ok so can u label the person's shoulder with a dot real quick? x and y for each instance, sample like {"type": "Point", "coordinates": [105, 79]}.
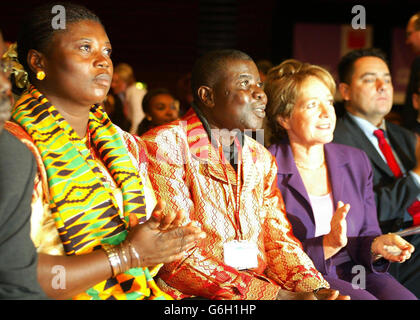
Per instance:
{"type": "Point", "coordinates": [351, 155]}
{"type": "Point", "coordinates": [174, 128]}
{"type": "Point", "coordinates": [258, 149]}
{"type": "Point", "coordinates": [14, 151]}
{"type": "Point", "coordinates": [397, 128]}
{"type": "Point", "coordinates": [405, 137]}
{"type": "Point", "coordinates": [346, 150]}
{"type": "Point", "coordinates": [278, 147]}
{"type": "Point", "coordinates": [342, 123]}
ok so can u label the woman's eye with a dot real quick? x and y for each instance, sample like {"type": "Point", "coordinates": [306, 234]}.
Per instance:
{"type": "Point", "coordinates": [108, 51]}
{"type": "Point", "coordinates": [85, 48]}
{"type": "Point", "coordinates": [312, 104]}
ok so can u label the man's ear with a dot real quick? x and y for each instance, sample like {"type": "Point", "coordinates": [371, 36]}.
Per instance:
{"type": "Point", "coordinates": [344, 89]}
{"type": "Point", "coordinates": [205, 94]}
{"type": "Point", "coordinates": [35, 61]}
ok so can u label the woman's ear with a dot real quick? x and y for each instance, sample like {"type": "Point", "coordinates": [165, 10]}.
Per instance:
{"type": "Point", "coordinates": [344, 89]}
{"type": "Point", "coordinates": [284, 123]}
{"type": "Point", "coordinates": [35, 61]}
{"type": "Point", "coordinates": [205, 94]}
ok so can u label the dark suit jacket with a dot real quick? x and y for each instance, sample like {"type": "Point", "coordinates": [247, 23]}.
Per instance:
{"type": "Point", "coordinates": [18, 257]}
{"type": "Point", "coordinates": [393, 196]}
{"type": "Point", "coordinates": [350, 175]}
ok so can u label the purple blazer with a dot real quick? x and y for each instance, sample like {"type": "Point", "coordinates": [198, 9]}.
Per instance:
{"type": "Point", "coordinates": [350, 175]}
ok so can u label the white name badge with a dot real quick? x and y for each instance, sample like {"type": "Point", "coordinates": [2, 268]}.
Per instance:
{"type": "Point", "coordinates": [240, 254]}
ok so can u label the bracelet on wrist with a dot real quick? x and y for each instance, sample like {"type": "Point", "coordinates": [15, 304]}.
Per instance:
{"type": "Point", "coordinates": [317, 290]}
{"type": "Point", "coordinates": [113, 258]}
{"type": "Point", "coordinates": [135, 253]}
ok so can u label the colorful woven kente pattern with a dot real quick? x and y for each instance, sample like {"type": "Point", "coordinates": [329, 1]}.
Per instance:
{"type": "Point", "coordinates": [188, 172]}
{"type": "Point", "coordinates": [85, 211]}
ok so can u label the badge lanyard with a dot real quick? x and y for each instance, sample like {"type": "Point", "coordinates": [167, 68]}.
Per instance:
{"type": "Point", "coordinates": [235, 200]}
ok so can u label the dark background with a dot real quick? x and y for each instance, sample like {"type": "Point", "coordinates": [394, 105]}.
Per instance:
{"type": "Point", "coordinates": [161, 39]}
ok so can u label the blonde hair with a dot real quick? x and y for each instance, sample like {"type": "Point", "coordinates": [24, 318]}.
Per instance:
{"type": "Point", "coordinates": [282, 87]}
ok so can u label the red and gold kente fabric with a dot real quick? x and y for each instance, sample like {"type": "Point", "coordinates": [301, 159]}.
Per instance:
{"type": "Point", "coordinates": [187, 172]}
{"type": "Point", "coordinates": [85, 211]}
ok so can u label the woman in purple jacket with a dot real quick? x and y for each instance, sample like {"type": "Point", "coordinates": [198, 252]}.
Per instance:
{"type": "Point", "coordinates": [327, 188]}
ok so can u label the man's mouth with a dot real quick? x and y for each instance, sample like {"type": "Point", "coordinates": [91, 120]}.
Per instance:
{"type": "Point", "coordinates": [260, 111]}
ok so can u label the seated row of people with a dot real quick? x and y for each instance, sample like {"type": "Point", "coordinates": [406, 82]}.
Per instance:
{"type": "Point", "coordinates": [195, 205]}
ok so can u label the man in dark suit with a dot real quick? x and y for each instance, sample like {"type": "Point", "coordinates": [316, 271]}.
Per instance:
{"type": "Point", "coordinates": [18, 257]}
{"type": "Point", "coordinates": [366, 87]}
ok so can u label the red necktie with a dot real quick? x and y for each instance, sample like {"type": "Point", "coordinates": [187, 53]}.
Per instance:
{"type": "Point", "coordinates": [387, 152]}
{"type": "Point", "coordinates": [414, 209]}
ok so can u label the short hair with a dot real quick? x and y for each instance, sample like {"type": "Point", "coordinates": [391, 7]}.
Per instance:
{"type": "Point", "coordinates": [149, 96]}
{"type": "Point", "coordinates": [416, 21]}
{"type": "Point", "coordinates": [36, 30]}
{"type": "Point", "coordinates": [282, 87]}
{"type": "Point", "coordinates": [346, 64]}
{"type": "Point", "coordinates": [264, 65]}
{"type": "Point", "coordinates": [209, 66]}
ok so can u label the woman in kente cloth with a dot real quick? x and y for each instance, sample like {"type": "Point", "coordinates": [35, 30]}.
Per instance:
{"type": "Point", "coordinates": [93, 211]}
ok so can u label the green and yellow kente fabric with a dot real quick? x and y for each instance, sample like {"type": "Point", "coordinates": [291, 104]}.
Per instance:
{"type": "Point", "coordinates": [83, 207]}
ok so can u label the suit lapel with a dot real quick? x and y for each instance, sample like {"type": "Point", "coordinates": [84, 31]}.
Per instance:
{"type": "Point", "coordinates": [287, 168]}
{"type": "Point", "coordinates": [335, 160]}
{"type": "Point", "coordinates": [363, 143]}
{"type": "Point", "coordinates": [396, 140]}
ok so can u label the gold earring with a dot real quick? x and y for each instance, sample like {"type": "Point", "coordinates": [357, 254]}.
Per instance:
{"type": "Point", "coordinates": [40, 75]}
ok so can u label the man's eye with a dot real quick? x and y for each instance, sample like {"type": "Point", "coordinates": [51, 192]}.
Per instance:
{"type": "Point", "coordinates": [85, 47]}
{"type": "Point", "coordinates": [244, 83]}
{"type": "Point", "coordinates": [369, 80]}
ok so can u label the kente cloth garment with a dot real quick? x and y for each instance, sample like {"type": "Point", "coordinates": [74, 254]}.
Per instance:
{"type": "Point", "coordinates": [187, 171]}
{"type": "Point", "coordinates": [82, 204]}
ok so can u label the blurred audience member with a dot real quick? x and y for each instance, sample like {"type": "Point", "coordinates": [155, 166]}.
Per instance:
{"type": "Point", "coordinates": [125, 86]}
{"type": "Point", "coordinates": [159, 107]}
{"type": "Point", "coordinates": [114, 105]}
{"type": "Point", "coordinates": [413, 40]}
{"type": "Point", "coordinates": [184, 93]}
{"type": "Point", "coordinates": [415, 100]}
